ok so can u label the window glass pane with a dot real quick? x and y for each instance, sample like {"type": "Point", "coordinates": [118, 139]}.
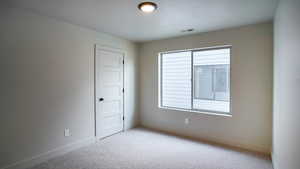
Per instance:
{"type": "Point", "coordinates": [211, 80]}
{"type": "Point", "coordinates": [221, 83]}
{"type": "Point", "coordinates": [203, 82]}
{"type": "Point", "coordinates": [176, 80]}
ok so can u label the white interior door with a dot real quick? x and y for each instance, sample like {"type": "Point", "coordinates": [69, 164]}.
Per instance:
{"type": "Point", "coordinates": [109, 91]}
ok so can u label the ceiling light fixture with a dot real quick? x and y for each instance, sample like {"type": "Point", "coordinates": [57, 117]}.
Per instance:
{"type": "Point", "coordinates": [147, 7]}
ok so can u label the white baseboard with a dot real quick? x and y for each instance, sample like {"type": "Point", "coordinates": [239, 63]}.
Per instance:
{"type": "Point", "coordinates": [32, 161]}
{"type": "Point", "coordinates": [214, 140]}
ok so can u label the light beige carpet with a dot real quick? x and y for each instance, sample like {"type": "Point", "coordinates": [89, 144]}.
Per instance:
{"type": "Point", "coordinates": [145, 149]}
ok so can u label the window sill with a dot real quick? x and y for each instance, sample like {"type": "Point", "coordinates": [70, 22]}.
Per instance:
{"type": "Point", "coordinates": [206, 112]}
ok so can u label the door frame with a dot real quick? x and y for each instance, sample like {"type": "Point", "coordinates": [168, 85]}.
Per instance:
{"type": "Point", "coordinates": [112, 49]}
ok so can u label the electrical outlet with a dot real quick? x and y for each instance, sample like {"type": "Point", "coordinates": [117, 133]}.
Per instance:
{"type": "Point", "coordinates": [67, 132]}
{"type": "Point", "coordinates": [186, 121]}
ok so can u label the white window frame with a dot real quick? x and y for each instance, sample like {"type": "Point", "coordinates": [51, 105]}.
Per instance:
{"type": "Point", "coordinates": [203, 111]}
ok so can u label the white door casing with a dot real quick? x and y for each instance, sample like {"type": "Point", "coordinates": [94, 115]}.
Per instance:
{"type": "Point", "coordinates": [109, 91]}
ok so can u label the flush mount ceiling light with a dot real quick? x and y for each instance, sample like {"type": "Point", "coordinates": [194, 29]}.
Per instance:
{"type": "Point", "coordinates": [147, 7]}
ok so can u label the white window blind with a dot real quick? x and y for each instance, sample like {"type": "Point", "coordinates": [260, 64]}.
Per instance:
{"type": "Point", "coordinates": [196, 80]}
{"type": "Point", "coordinates": [176, 80]}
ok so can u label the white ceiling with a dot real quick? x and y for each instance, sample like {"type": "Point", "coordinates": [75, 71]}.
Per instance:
{"type": "Point", "coordinates": [122, 18]}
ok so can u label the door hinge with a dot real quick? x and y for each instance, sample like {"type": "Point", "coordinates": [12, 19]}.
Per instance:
{"type": "Point", "coordinates": [123, 118]}
{"type": "Point", "coordinates": [123, 62]}
{"type": "Point", "coordinates": [123, 90]}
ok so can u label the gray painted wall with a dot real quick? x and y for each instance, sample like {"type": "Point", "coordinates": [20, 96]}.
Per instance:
{"type": "Point", "coordinates": [250, 125]}
{"type": "Point", "coordinates": [286, 115]}
{"type": "Point", "coordinates": [47, 83]}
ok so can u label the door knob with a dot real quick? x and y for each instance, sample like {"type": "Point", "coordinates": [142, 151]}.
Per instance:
{"type": "Point", "coordinates": [101, 99]}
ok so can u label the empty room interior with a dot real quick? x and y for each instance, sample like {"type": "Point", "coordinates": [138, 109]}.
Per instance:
{"type": "Point", "coordinates": [159, 84]}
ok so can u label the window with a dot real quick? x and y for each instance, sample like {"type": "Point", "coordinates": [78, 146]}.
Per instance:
{"type": "Point", "coordinates": [196, 80]}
